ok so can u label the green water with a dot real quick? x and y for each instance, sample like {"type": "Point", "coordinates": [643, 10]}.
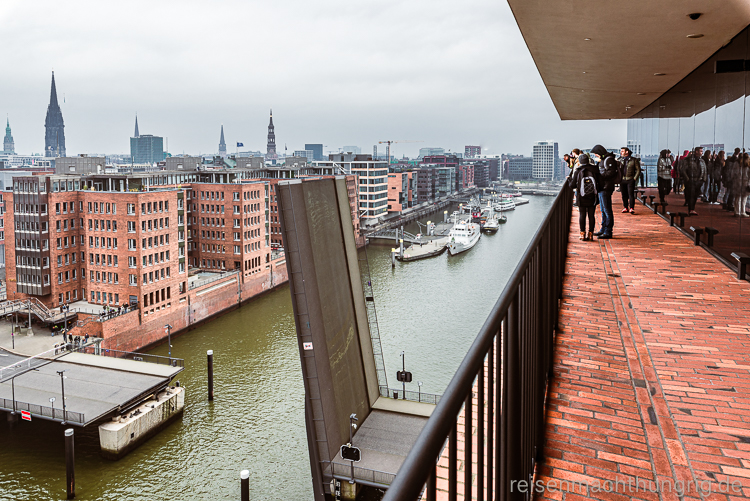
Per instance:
{"type": "Point", "coordinates": [431, 309]}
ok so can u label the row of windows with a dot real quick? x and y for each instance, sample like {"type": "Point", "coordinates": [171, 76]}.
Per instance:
{"type": "Point", "coordinates": [99, 242]}
{"type": "Point", "coordinates": [213, 248]}
{"type": "Point", "coordinates": [156, 241]}
{"type": "Point", "coordinates": [108, 297]}
{"type": "Point", "coordinates": [154, 276]}
{"type": "Point", "coordinates": [102, 259]}
{"type": "Point", "coordinates": [155, 224]}
{"type": "Point", "coordinates": [210, 221]}
{"type": "Point", "coordinates": [150, 207]}
{"type": "Point", "coordinates": [106, 277]}
{"type": "Point", "coordinates": [215, 235]}
{"type": "Point", "coordinates": [155, 258]}
{"type": "Point", "coordinates": [157, 296]}
{"type": "Point", "coordinates": [102, 225]}
{"type": "Point", "coordinates": [212, 208]}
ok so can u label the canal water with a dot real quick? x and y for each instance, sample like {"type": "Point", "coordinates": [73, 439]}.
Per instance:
{"type": "Point", "coordinates": [430, 309]}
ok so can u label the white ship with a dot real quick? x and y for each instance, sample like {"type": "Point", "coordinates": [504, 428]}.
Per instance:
{"type": "Point", "coordinates": [505, 204]}
{"type": "Point", "coordinates": [463, 236]}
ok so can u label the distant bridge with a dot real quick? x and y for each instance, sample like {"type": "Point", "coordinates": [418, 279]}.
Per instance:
{"type": "Point", "coordinates": [394, 235]}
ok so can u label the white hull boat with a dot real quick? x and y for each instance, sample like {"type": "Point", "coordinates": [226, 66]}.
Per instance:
{"type": "Point", "coordinates": [463, 236]}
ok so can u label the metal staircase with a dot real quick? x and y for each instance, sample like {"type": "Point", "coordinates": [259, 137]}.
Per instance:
{"type": "Point", "coordinates": [372, 318]}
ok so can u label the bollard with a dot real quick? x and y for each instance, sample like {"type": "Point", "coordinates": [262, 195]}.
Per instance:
{"type": "Point", "coordinates": [210, 354]}
{"type": "Point", "coordinates": [245, 485]}
{"type": "Point", "coordinates": [393, 258]}
{"type": "Point", "coordinates": [70, 465]}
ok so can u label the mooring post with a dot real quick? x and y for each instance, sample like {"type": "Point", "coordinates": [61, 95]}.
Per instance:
{"type": "Point", "coordinates": [393, 258]}
{"type": "Point", "coordinates": [210, 354]}
{"type": "Point", "coordinates": [245, 485]}
{"type": "Point", "coordinates": [70, 464]}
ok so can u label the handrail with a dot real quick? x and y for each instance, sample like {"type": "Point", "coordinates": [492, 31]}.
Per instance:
{"type": "Point", "coordinates": [525, 316]}
{"type": "Point", "coordinates": [208, 280]}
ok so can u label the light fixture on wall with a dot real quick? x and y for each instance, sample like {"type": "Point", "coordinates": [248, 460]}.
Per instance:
{"type": "Point", "coordinates": [696, 35]}
{"type": "Point", "coordinates": [659, 74]}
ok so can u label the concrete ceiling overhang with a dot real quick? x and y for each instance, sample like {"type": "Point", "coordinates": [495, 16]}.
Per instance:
{"type": "Point", "coordinates": [638, 49]}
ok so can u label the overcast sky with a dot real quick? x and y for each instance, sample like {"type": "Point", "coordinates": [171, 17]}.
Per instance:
{"type": "Point", "coordinates": [335, 72]}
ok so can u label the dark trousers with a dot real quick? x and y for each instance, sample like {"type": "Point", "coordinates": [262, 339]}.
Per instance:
{"type": "Point", "coordinates": [665, 187]}
{"type": "Point", "coordinates": [605, 205]}
{"type": "Point", "coordinates": [627, 188]}
{"type": "Point", "coordinates": [583, 213]}
{"type": "Point", "coordinates": [692, 192]}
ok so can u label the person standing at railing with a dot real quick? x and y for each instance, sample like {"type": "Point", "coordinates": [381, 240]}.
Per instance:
{"type": "Point", "coordinates": [587, 183]}
{"type": "Point", "coordinates": [609, 171]}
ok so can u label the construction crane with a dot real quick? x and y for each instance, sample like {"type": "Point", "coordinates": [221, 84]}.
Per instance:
{"type": "Point", "coordinates": [389, 143]}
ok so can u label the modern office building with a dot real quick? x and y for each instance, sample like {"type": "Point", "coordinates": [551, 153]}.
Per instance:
{"type": "Point", "coordinates": [426, 152]}
{"type": "Point", "coordinates": [472, 151]}
{"type": "Point", "coordinates": [317, 150]}
{"type": "Point", "coordinates": [309, 154]}
{"type": "Point", "coordinates": [520, 168]}
{"type": "Point", "coordinates": [545, 160]}
{"type": "Point", "coordinates": [398, 191]}
{"type": "Point", "coordinates": [9, 146]}
{"type": "Point", "coordinates": [54, 127]}
{"type": "Point", "coordinates": [145, 148]}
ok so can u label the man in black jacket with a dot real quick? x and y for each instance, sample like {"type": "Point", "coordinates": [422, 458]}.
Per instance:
{"type": "Point", "coordinates": [609, 170]}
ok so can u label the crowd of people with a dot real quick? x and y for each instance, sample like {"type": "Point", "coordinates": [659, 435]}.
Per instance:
{"type": "Point", "coordinates": [697, 174]}
{"type": "Point", "coordinates": [708, 177]}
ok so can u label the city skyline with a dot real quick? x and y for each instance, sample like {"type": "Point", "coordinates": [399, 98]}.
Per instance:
{"type": "Point", "coordinates": [418, 85]}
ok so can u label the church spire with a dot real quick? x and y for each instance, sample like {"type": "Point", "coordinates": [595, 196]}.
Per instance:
{"type": "Point", "coordinates": [222, 144]}
{"type": "Point", "coordinates": [271, 145]}
{"type": "Point", "coordinates": [53, 92]}
{"type": "Point", "coordinates": [136, 134]}
{"type": "Point", "coordinates": [54, 137]}
{"type": "Point", "coordinates": [8, 145]}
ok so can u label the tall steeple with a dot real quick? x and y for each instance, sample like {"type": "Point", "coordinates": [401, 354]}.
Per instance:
{"type": "Point", "coordinates": [136, 134]}
{"type": "Point", "coordinates": [222, 144]}
{"type": "Point", "coordinates": [271, 146]}
{"type": "Point", "coordinates": [54, 137]}
{"type": "Point", "coordinates": [8, 145]}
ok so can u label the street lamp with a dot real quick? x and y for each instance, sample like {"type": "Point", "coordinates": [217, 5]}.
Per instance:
{"type": "Point", "coordinates": [52, 403]}
{"type": "Point", "coordinates": [419, 383]}
{"type": "Point", "coordinates": [62, 385]}
{"type": "Point", "coordinates": [169, 340]}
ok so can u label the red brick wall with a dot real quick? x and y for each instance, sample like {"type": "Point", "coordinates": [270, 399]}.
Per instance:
{"type": "Point", "coordinates": [130, 332]}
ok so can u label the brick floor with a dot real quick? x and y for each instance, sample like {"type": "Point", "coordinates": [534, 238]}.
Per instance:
{"type": "Point", "coordinates": [652, 370]}
{"type": "Point", "coordinates": [651, 387]}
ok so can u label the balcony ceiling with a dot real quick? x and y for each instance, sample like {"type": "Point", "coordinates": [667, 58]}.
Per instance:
{"type": "Point", "coordinates": [612, 75]}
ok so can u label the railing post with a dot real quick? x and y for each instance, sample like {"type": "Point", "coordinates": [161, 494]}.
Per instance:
{"type": "Point", "coordinates": [468, 445]}
{"type": "Point", "coordinates": [453, 463]}
{"type": "Point", "coordinates": [480, 434]}
{"type": "Point", "coordinates": [490, 418]}
{"type": "Point", "coordinates": [512, 448]}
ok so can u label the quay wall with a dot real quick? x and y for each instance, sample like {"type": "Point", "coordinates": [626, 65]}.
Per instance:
{"type": "Point", "coordinates": [134, 331]}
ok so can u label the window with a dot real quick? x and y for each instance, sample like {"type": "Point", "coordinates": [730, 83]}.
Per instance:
{"type": "Point", "coordinates": [132, 262]}
{"type": "Point", "coordinates": [131, 244]}
{"type": "Point", "coordinates": [133, 280]}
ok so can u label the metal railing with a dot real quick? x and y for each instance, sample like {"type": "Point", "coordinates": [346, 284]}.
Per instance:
{"type": "Point", "coordinates": [373, 477]}
{"type": "Point", "coordinates": [27, 363]}
{"type": "Point", "coordinates": [208, 280]}
{"type": "Point", "coordinates": [412, 396]}
{"type": "Point", "coordinates": [129, 355]}
{"type": "Point", "coordinates": [42, 411]}
{"type": "Point", "coordinates": [514, 348]}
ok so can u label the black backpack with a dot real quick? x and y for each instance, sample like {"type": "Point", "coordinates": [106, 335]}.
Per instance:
{"type": "Point", "coordinates": [609, 168]}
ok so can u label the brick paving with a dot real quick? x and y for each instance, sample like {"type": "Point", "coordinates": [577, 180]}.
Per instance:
{"type": "Point", "coordinates": [651, 387]}
{"type": "Point", "coordinates": [652, 370]}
